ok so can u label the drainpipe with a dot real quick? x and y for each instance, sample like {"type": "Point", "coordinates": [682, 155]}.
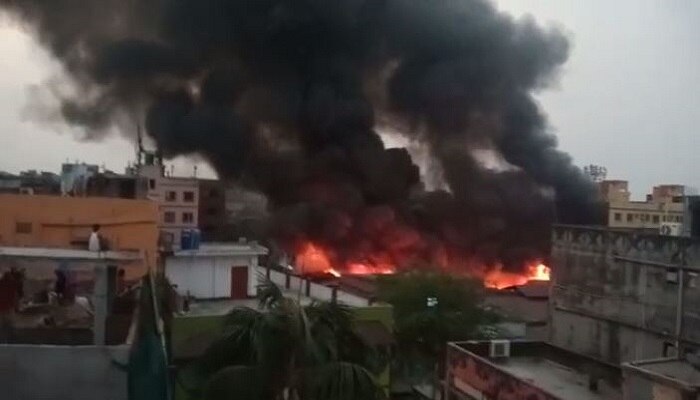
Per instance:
{"type": "Point", "coordinates": [679, 311]}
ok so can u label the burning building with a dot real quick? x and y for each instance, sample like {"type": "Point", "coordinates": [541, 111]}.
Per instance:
{"type": "Point", "coordinates": [299, 100]}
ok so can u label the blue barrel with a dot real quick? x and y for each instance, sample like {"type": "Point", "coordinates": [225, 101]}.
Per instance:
{"type": "Point", "coordinates": [196, 237]}
{"type": "Point", "coordinates": [186, 239]}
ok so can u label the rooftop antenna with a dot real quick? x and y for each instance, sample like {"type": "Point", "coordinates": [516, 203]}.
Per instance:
{"type": "Point", "coordinates": [195, 170]}
{"type": "Point", "coordinates": [139, 143]}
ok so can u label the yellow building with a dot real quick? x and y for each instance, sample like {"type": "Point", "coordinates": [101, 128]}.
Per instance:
{"type": "Point", "coordinates": [663, 206]}
{"type": "Point", "coordinates": [66, 222]}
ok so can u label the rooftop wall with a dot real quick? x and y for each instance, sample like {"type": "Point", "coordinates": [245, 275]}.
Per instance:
{"type": "Point", "coordinates": [615, 293]}
{"type": "Point", "coordinates": [62, 372]}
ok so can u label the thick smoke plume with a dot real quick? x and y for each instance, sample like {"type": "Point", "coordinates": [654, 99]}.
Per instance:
{"type": "Point", "coordinates": [287, 97]}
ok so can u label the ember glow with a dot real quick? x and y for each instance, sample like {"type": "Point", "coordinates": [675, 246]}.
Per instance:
{"type": "Point", "coordinates": [312, 258]}
{"type": "Point", "coordinates": [499, 279]}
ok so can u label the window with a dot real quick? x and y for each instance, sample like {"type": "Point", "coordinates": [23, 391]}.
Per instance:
{"type": "Point", "coordinates": [188, 197]}
{"type": "Point", "coordinates": [656, 219]}
{"type": "Point", "coordinates": [618, 217]}
{"type": "Point", "coordinates": [170, 196]}
{"type": "Point", "coordinates": [187, 218]}
{"type": "Point", "coordinates": [151, 184]}
{"type": "Point", "coordinates": [629, 217]}
{"type": "Point", "coordinates": [212, 211]}
{"type": "Point", "coordinates": [213, 193]}
{"type": "Point", "coordinates": [23, 227]}
{"type": "Point", "coordinates": [169, 217]}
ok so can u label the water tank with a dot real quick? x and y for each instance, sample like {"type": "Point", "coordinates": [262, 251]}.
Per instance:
{"type": "Point", "coordinates": [186, 239]}
{"type": "Point", "coordinates": [196, 237]}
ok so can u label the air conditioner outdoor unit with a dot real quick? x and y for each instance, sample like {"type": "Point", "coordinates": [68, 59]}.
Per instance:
{"type": "Point", "coordinates": [499, 349]}
{"type": "Point", "coordinates": [671, 229]}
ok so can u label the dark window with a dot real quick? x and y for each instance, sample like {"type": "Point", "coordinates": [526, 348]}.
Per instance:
{"type": "Point", "coordinates": [618, 217]}
{"type": "Point", "coordinates": [629, 217]}
{"type": "Point", "coordinates": [655, 219]}
{"type": "Point", "coordinates": [187, 217]}
{"type": "Point", "coordinates": [169, 217]}
{"type": "Point", "coordinates": [151, 184]}
{"type": "Point", "coordinates": [170, 196]}
{"type": "Point", "coordinates": [213, 193]}
{"type": "Point", "coordinates": [212, 211]}
{"type": "Point", "coordinates": [23, 227]}
{"type": "Point", "coordinates": [188, 197]}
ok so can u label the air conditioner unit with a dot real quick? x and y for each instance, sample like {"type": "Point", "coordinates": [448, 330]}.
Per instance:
{"type": "Point", "coordinates": [499, 349]}
{"type": "Point", "coordinates": [671, 229]}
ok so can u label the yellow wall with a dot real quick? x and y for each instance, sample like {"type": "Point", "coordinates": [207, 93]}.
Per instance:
{"type": "Point", "coordinates": [67, 221]}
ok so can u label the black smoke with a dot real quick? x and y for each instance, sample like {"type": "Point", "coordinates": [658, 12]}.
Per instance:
{"type": "Point", "coordinates": [286, 96]}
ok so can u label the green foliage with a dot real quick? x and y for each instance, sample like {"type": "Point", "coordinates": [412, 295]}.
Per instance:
{"type": "Point", "coordinates": [284, 351]}
{"type": "Point", "coordinates": [430, 309]}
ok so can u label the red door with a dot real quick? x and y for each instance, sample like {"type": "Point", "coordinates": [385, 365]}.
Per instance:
{"type": "Point", "coordinates": [239, 282]}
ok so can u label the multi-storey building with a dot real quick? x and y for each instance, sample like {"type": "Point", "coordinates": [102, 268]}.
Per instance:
{"type": "Point", "coordinates": [177, 199]}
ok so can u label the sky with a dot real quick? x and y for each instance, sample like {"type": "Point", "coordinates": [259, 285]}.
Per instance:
{"type": "Point", "coordinates": [628, 98]}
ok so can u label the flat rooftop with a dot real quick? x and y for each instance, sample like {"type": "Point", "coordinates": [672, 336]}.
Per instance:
{"type": "Point", "coordinates": [680, 371]}
{"type": "Point", "coordinates": [556, 379]}
{"type": "Point", "coordinates": [223, 250]}
{"type": "Point", "coordinates": [548, 369]}
{"type": "Point", "coordinates": [68, 254]}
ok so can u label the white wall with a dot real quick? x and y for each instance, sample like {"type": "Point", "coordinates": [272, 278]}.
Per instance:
{"type": "Point", "coordinates": [209, 277]}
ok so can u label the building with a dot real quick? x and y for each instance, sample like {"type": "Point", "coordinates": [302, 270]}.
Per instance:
{"type": "Point", "coordinates": [177, 199]}
{"type": "Point", "coordinates": [524, 310]}
{"type": "Point", "coordinates": [68, 348]}
{"type": "Point", "coordinates": [667, 378]}
{"type": "Point", "coordinates": [30, 182]}
{"type": "Point", "coordinates": [66, 222]}
{"type": "Point", "coordinates": [215, 271]}
{"type": "Point", "coordinates": [664, 207]}
{"type": "Point", "coordinates": [213, 223]}
{"type": "Point", "coordinates": [621, 296]}
{"type": "Point", "coordinates": [501, 369]}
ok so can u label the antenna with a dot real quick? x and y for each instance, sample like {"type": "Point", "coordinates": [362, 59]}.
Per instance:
{"type": "Point", "coordinates": [195, 170]}
{"type": "Point", "coordinates": [139, 143]}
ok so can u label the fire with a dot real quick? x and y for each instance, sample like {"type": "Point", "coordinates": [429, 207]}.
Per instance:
{"type": "Point", "coordinates": [499, 279]}
{"type": "Point", "coordinates": [312, 258]}
{"type": "Point", "coordinates": [333, 272]}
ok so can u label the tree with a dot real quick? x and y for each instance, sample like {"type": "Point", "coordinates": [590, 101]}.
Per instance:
{"type": "Point", "coordinates": [284, 351]}
{"type": "Point", "coordinates": [431, 309]}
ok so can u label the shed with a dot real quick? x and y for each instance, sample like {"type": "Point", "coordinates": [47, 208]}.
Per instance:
{"type": "Point", "coordinates": [215, 270]}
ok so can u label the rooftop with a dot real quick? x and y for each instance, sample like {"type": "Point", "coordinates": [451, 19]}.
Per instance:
{"type": "Point", "coordinates": [680, 372]}
{"type": "Point", "coordinates": [223, 249]}
{"type": "Point", "coordinates": [536, 367]}
{"type": "Point", "coordinates": [68, 254]}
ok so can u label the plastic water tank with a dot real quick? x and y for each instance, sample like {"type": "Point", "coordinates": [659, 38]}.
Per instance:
{"type": "Point", "coordinates": [186, 239]}
{"type": "Point", "coordinates": [196, 237]}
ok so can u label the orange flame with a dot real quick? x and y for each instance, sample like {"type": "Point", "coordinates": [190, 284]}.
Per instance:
{"type": "Point", "coordinates": [333, 272]}
{"type": "Point", "coordinates": [312, 258]}
{"type": "Point", "coordinates": [498, 279]}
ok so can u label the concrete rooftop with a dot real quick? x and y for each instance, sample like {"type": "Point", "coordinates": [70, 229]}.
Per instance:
{"type": "Point", "coordinates": [223, 250]}
{"type": "Point", "coordinates": [68, 254]}
{"type": "Point", "coordinates": [556, 379]}
{"type": "Point", "coordinates": [677, 370]}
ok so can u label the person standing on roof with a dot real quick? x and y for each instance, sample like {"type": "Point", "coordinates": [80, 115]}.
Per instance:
{"type": "Point", "coordinates": [94, 243]}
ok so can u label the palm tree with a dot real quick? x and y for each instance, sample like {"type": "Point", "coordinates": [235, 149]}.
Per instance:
{"type": "Point", "coordinates": [284, 351]}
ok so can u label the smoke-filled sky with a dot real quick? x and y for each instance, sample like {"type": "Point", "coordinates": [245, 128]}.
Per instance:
{"type": "Point", "coordinates": [626, 99]}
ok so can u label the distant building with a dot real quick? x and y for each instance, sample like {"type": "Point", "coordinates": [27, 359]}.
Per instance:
{"type": "Point", "coordinates": [664, 208]}
{"type": "Point", "coordinates": [623, 296]}
{"type": "Point", "coordinates": [177, 199]}
{"type": "Point", "coordinates": [212, 210]}
{"type": "Point", "coordinates": [30, 182]}
{"type": "Point", "coordinates": [523, 310]}
{"type": "Point", "coordinates": [66, 222]}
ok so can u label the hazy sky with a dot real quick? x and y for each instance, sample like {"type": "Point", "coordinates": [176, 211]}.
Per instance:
{"type": "Point", "coordinates": [628, 98]}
